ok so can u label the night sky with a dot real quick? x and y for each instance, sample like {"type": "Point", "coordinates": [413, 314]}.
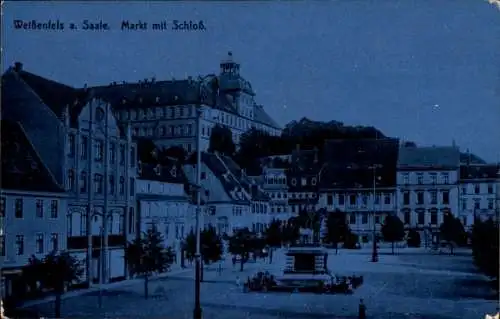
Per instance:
{"type": "Point", "coordinates": [421, 70]}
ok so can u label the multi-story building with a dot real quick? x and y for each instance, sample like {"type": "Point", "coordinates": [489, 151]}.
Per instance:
{"type": "Point", "coordinates": [32, 208]}
{"type": "Point", "coordinates": [275, 185]}
{"type": "Point", "coordinates": [79, 141]}
{"type": "Point", "coordinates": [230, 199]}
{"type": "Point", "coordinates": [427, 180]}
{"type": "Point", "coordinates": [166, 110]}
{"type": "Point", "coordinates": [359, 179]}
{"type": "Point", "coordinates": [163, 203]}
{"type": "Point", "coordinates": [478, 192]}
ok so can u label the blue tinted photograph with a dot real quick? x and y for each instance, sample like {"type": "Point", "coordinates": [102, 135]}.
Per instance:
{"type": "Point", "coordinates": [250, 159]}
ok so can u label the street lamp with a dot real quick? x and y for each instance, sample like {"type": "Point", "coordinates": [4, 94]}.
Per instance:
{"type": "Point", "coordinates": [197, 306]}
{"type": "Point", "coordinates": [374, 249]}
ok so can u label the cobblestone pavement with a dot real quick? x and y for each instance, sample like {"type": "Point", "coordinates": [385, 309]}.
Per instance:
{"type": "Point", "coordinates": [400, 286]}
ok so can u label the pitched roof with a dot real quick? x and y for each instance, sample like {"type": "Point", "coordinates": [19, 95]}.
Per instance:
{"type": "Point", "coordinates": [478, 171]}
{"type": "Point", "coordinates": [162, 173]}
{"type": "Point", "coordinates": [22, 168]}
{"type": "Point", "coordinates": [429, 157]}
{"type": "Point", "coordinates": [173, 93]}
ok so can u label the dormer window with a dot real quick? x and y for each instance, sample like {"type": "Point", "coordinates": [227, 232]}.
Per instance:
{"type": "Point", "coordinates": [173, 172]}
{"type": "Point", "coordinates": [294, 182]}
{"type": "Point", "coordinates": [313, 181]}
{"type": "Point", "coordinates": [157, 170]}
{"type": "Point", "coordinates": [157, 100]}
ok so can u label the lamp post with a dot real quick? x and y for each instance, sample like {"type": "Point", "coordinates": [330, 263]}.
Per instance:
{"type": "Point", "coordinates": [197, 307]}
{"type": "Point", "coordinates": [374, 249]}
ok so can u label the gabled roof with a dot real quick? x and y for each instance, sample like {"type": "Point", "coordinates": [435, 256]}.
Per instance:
{"type": "Point", "coordinates": [480, 172]}
{"type": "Point", "coordinates": [429, 157]}
{"type": "Point", "coordinates": [22, 169]}
{"type": "Point", "coordinates": [231, 176]}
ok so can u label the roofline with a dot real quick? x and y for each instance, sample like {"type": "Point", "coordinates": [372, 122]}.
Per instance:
{"type": "Point", "coordinates": [51, 174]}
{"type": "Point", "coordinates": [18, 192]}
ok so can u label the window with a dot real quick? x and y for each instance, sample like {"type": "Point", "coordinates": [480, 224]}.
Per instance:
{"type": "Point", "coordinates": [122, 154]}
{"type": "Point", "coordinates": [112, 152]}
{"type": "Point", "coordinates": [71, 145]}
{"type": "Point", "coordinates": [83, 224]}
{"type": "Point", "coordinates": [433, 178]}
{"type": "Point", "coordinates": [364, 219]}
{"type": "Point", "coordinates": [420, 198]}
{"type": "Point", "coordinates": [445, 178]}
{"type": "Point", "coordinates": [39, 244]}
{"type": "Point", "coordinates": [98, 150]}
{"type": "Point", "coordinates": [421, 217]}
{"type": "Point", "coordinates": [111, 184]}
{"type": "Point", "coordinates": [341, 199]}
{"type": "Point", "coordinates": [98, 183]}
{"type": "Point", "coordinates": [434, 217]}
{"type": "Point", "coordinates": [352, 199]}
{"type": "Point", "coordinates": [364, 200]}
{"type": "Point", "coordinates": [84, 148]}
{"type": "Point", "coordinates": [313, 181]}
{"type": "Point", "coordinates": [406, 178]}
{"type": "Point", "coordinates": [303, 181]}
{"type": "Point", "coordinates": [176, 231]}
{"type": "Point", "coordinates": [132, 157]}
{"type": "Point", "coordinates": [329, 200]}
{"type": "Point", "coordinates": [83, 182]}
{"type": "Point", "coordinates": [477, 189]}
{"type": "Point", "coordinates": [122, 185]}
{"type": "Point", "coordinates": [446, 197]}
{"type": "Point", "coordinates": [464, 204]}
{"type": "Point", "coordinates": [377, 219]}
{"type": "Point", "coordinates": [420, 178]}
{"type": "Point", "coordinates": [167, 229]}
{"type": "Point", "coordinates": [69, 225]}
{"type": "Point", "coordinates": [406, 198]}
{"type": "Point", "coordinates": [407, 217]}
{"type": "Point", "coordinates": [352, 219]}
{"type": "Point", "coordinates": [490, 189]}
{"type": "Point", "coordinates": [387, 199]}
{"type": "Point", "coordinates": [294, 182]}
{"type": "Point", "coordinates": [377, 199]}
{"type": "Point", "coordinates": [18, 206]}
{"type": "Point", "coordinates": [490, 203]}
{"type": "Point", "coordinates": [433, 197]}
{"type": "Point", "coordinates": [71, 180]}
{"type": "Point", "coordinates": [54, 209]}
{"type": "Point", "coordinates": [131, 220]}
{"type": "Point", "coordinates": [477, 203]}
{"type": "Point", "coordinates": [19, 245]}
{"type": "Point", "coordinates": [39, 208]}
{"type": "Point", "coordinates": [132, 186]}
{"type": "Point", "coordinates": [110, 224]}
{"type": "Point", "coordinates": [464, 190]}
{"type": "Point", "coordinates": [2, 245]}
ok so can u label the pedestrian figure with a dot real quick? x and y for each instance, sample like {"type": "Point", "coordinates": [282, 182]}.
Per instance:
{"type": "Point", "coordinates": [234, 261]}
{"type": "Point", "coordinates": [362, 310]}
{"type": "Point", "coordinates": [238, 281]}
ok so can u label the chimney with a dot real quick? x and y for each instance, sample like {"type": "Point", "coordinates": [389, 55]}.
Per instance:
{"type": "Point", "coordinates": [18, 66]}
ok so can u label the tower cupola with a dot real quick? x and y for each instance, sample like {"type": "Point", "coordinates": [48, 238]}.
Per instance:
{"type": "Point", "coordinates": [229, 66]}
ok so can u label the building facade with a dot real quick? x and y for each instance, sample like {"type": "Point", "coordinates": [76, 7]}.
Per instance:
{"type": "Point", "coordinates": [478, 192]}
{"type": "Point", "coordinates": [428, 187]}
{"type": "Point", "coordinates": [275, 185]}
{"type": "Point", "coordinates": [230, 201]}
{"type": "Point", "coordinates": [165, 111]}
{"type": "Point", "coordinates": [163, 203]}
{"type": "Point", "coordinates": [79, 141]}
{"type": "Point", "coordinates": [32, 209]}
{"type": "Point", "coordinates": [359, 179]}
